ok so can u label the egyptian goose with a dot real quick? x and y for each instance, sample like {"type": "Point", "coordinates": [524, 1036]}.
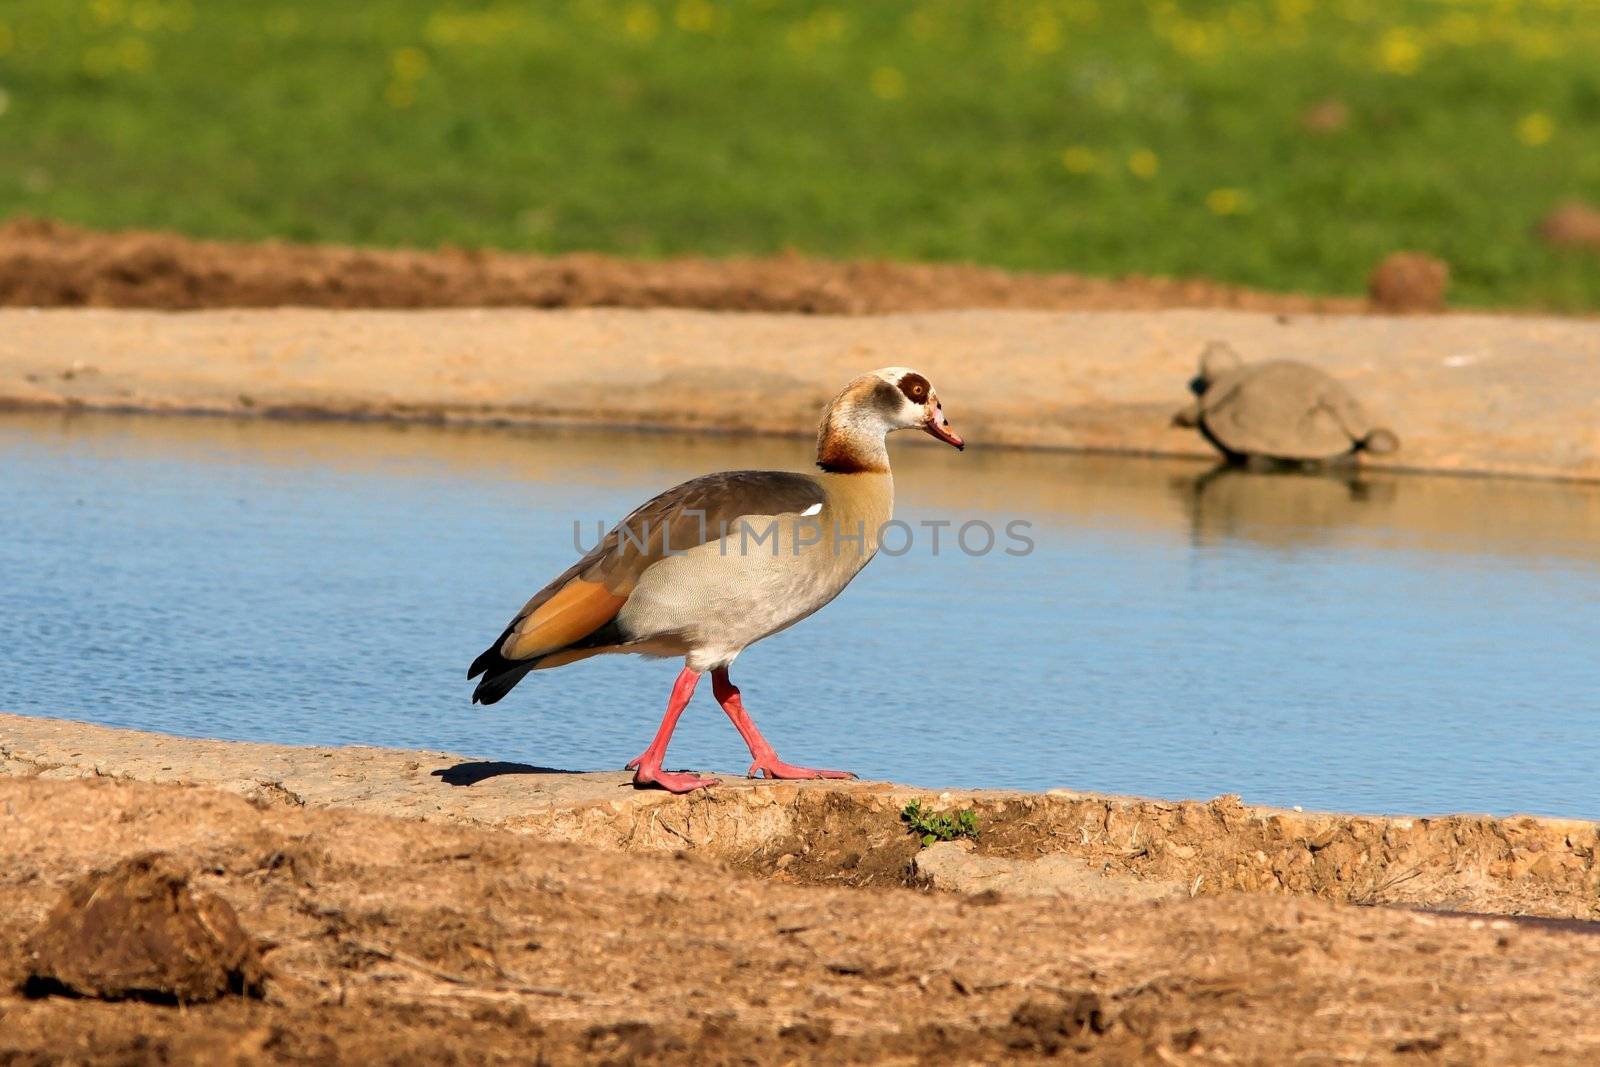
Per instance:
{"type": "Point", "coordinates": [713, 565]}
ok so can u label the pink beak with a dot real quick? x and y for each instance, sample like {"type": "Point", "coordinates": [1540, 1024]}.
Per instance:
{"type": "Point", "coordinates": [936, 426]}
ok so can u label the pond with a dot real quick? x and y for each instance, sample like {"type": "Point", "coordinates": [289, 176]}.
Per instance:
{"type": "Point", "coordinates": [1382, 643]}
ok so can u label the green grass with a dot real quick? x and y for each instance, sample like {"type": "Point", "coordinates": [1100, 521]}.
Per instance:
{"type": "Point", "coordinates": [1107, 136]}
{"type": "Point", "coordinates": [933, 826]}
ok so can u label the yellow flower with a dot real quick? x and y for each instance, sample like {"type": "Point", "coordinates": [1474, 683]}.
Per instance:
{"type": "Point", "coordinates": [134, 55]}
{"type": "Point", "coordinates": [131, 54]}
{"type": "Point", "coordinates": [408, 64]}
{"type": "Point", "coordinates": [1228, 201]}
{"type": "Point", "coordinates": [1533, 43]}
{"type": "Point", "coordinates": [1143, 163]}
{"type": "Point", "coordinates": [816, 29]}
{"type": "Point", "coordinates": [106, 11]}
{"type": "Point", "coordinates": [1460, 29]}
{"type": "Point", "coordinates": [1044, 35]}
{"type": "Point", "coordinates": [448, 28]}
{"type": "Point", "coordinates": [400, 94]}
{"type": "Point", "coordinates": [1293, 10]}
{"type": "Point", "coordinates": [146, 17]}
{"type": "Point", "coordinates": [828, 24]}
{"type": "Point", "coordinates": [888, 83]}
{"type": "Point", "coordinates": [1245, 22]}
{"type": "Point", "coordinates": [1535, 128]}
{"type": "Point", "coordinates": [1399, 51]}
{"type": "Point", "coordinates": [695, 16]}
{"type": "Point", "coordinates": [641, 22]}
{"type": "Point", "coordinates": [1196, 39]}
{"type": "Point", "coordinates": [1078, 159]}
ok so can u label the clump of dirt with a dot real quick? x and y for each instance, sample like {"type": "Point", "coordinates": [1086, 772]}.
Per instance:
{"type": "Point", "coordinates": [1574, 224]}
{"type": "Point", "coordinates": [49, 264]}
{"type": "Point", "coordinates": [1326, 116]}
{"type": "Point", "coordinates": [1408, 282]}
{"type": "Point", "coordinates": [1073, 1021]}
{"type": "Point", "coordinates": [137, 931]}
{"type": "Point", "coordinates": [836, 839]}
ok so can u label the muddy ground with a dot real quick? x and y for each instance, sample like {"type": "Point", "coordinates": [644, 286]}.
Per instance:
{"type": "Point", "coordinates": [49, 264]}
{"type": "Point", "coordinates": [394, 941]}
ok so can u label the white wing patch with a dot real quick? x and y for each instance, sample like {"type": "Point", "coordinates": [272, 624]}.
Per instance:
{"type": "Point", "coordinates": [814, 509]}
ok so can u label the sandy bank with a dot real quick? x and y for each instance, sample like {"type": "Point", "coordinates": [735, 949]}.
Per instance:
{"type": "Point", "coordinates": [1125, 848]}
{"type": "Point", "coordinates": [1466, 393]}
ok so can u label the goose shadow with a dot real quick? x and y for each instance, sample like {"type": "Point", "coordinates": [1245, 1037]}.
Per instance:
{"type": "Point", "coordinates": [474, 771]}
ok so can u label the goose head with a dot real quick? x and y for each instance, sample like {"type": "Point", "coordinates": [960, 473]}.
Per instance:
{"type": "Point", "coordinates": [870, 408]}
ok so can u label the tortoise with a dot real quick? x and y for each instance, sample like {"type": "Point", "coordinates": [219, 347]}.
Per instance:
{"type": "Point", "coordinates": [1277, 412]}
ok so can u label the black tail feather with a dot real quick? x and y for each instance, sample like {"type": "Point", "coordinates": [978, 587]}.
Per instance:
{"type": "Point", "coordinates": [496, 685]}
{"type": "Point", "coordinates": [490, 659]}
{"type": "Point", "coordinates": [499, 673]}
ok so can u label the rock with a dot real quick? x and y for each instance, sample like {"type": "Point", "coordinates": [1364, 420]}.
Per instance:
{"type": "Point", "coordinates": [1409, 281]}
{"type": "Point", "coordinates": [137, 931]}
{"type": "Point", "coordinates": [1574, 224]}
{"type": "Point", "coordinates": [952, 866]}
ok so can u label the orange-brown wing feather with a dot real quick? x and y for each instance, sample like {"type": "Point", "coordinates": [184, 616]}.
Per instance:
{"type": "Point", "coordinates": [576, 610]}
{"type": "Point", "coordinates": [572, 655]}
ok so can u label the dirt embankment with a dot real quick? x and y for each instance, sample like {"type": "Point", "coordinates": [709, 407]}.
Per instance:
{"type": "Point", "coordinates": [390, 941]}
{"type": "Point", "coordinates": [49, 264]}
{"type": "Point", "coordinates": [410, 906]}
{"type": "Point", "coordinates": [851, 834]}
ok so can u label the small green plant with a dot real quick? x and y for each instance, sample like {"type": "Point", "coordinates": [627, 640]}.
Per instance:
{"type": "Point", "coordinates": [934, 826]}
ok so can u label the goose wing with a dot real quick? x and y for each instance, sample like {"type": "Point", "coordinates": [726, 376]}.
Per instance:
{"type": "Point", "coordinates": [578, 610]}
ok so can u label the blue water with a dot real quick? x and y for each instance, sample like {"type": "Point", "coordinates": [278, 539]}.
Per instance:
{"type": "Point", "coordinates": [1403, 644]}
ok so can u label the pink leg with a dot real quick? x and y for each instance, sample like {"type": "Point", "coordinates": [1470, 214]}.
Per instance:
{"type": "Point", "coordinates": [766, 760]}
{"type": "Point", "coordinates": [647, 768]}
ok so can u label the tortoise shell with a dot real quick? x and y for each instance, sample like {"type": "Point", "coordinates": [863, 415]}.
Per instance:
{"type": "Point", "coordinates": [1280, 410]}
